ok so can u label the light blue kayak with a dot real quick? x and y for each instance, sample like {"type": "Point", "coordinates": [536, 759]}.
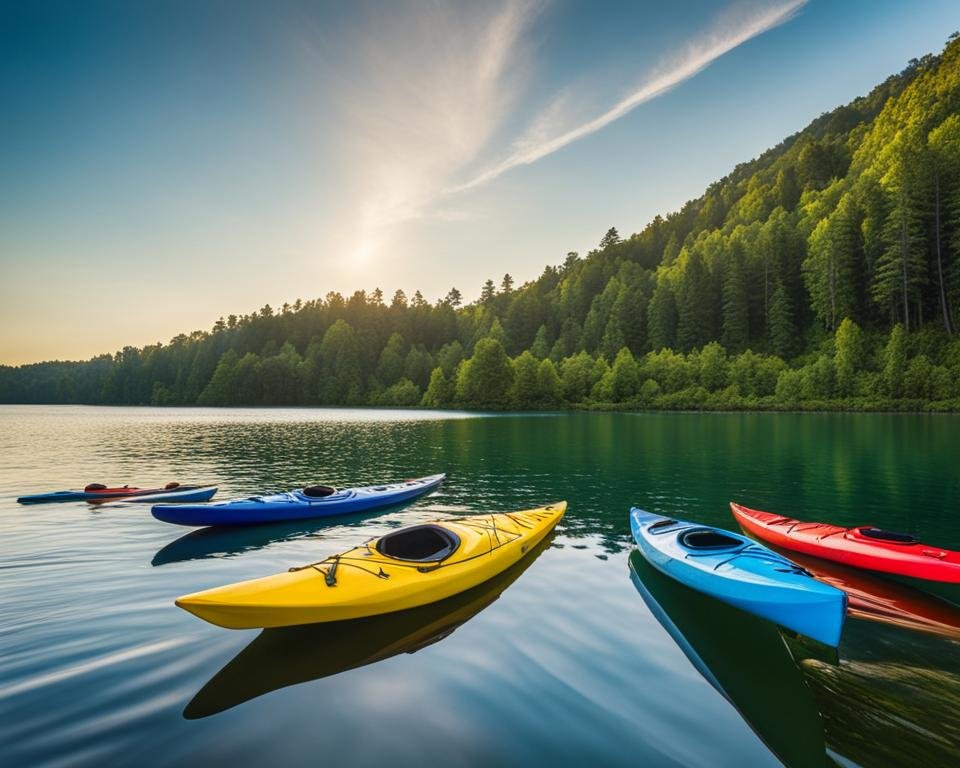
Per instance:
{"type": "Point", "coordinates": [742, 573]}
{"type": "Point", "coordinates": [301, 504]}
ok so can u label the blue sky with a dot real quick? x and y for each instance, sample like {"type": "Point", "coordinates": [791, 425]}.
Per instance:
{"type": "Point", "coordinates": [164, 164]}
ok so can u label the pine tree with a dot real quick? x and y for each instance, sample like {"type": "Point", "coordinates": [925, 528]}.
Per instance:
{"type": "Point", "coordinates": [831, 266]}
{"type": "Point", "coordinates": [612, 237]}
{"type": "Point", "coordinates": [506, 285]}
{"type": "Point", "coordinates": [439, 392]}
{"type": "Point", "coordinates": [454, 298]}
{"type": "Point", "coordinates": [780, 320]}
{"type": "Point", "coordinates": [488, 291]}
{"type": "Point", "coordinates": [662, 316]}
{"type": "Point", "coordinates": [901, 269]}
{"type": "Point", "coordinates": [694, 304]}
{"type": "Point", "coordinates": [848, 356]}
{"type": "Point", "coordinates": [735, 310]}
{"type": "Point", "coordinates": [944, 147]}
{"type": "Point", "coordinates": [895, 361]}
{"type": "Point", "coordinates": [485, 380]}
{"type": "Point", "coordinates": [541, 346]}
{"type": "Point", "coordinates": [390, 364]}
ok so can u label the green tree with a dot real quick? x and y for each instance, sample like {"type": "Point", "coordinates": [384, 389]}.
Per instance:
{"type": "Point", "coordinates": [526, 385]}
{"type": "Point", "coordinates": [440, 391]}
{"type": "Point", "coordinates": [454, 298]}
{"type": "Point", "coordinates": [713, 367]}
{"type": "Point", "coordinates": [662, 316]}
{"type": "Point", "coordinates": [624, 377]}
{"type": "Point", "coordinates": [830, 268]}
{"type": "Point", "coordinates": [736, 330]}
{"type": "Point", "coordinates": [549, 383]}
{"type": "Point", "coordinates": [901, 270]}
{"type": "Point", "coordinates": [540, 347]}
{"type": "Point", "coordinates": [579, 374]}
{"type": "Point", "coordinates": [418, 365]}
{"type": "Point", "coordinates": [612, 237]}
{"type": "Point", "coordinates": [895, 361]}
{"type": "Point", "coordinates": [488, 291]}
{"type": "Point", "coordinates": [694, 304]}
{"type": "Point", "coordinates": [390, 365]}
{"type": "Point", "coordinates": [340, 375]}
{"type": "Point", "coordinates": [783, 338]}
{"type": "Point", "coordinates": [848, 356]}
{"type": "Point", "coordinates": [944, 147]}
{"type": "Point", "coordinates": [403, 393]}
{"type": "Point", "coordinates": [486, 378]}
{"type": "Point", "coordinates": [449, 357]}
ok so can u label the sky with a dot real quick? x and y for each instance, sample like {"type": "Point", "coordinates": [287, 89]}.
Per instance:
{"type": "Point", "coordinates": [166, 164]}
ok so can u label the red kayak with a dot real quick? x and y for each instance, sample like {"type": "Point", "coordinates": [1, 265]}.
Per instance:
{"type": "Point", "coordinates": [94, 492]}
{"type": "Point", "coordinates": [861, 547]}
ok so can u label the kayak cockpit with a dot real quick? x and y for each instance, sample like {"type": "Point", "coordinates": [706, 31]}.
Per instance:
{"type": "Point", "coordinates": [318, 491]}
{"type": "Point", "coordinates": [419, 544]}
{"type": "Point", "coordinates": [708, 540]}
{"type": "Point", "coordinates": [890, 537]}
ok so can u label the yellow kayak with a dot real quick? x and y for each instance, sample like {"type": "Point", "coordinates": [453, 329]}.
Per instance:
{"type": "Point", "coordinates": [407, 568]}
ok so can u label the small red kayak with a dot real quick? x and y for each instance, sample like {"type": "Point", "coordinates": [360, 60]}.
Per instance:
{"type": "Point", "coordinates": [94, 492]}
{"type": "Point", "coordinates": [860, 547]}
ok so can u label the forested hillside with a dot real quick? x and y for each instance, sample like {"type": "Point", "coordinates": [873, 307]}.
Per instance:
{"type": "Point", "coordinates": [823, 274]}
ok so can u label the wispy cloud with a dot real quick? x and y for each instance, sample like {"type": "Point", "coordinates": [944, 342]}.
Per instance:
{"type": "Point", "coordinates": [432, 90]}
{"type": "Point", "coordinates": [735, 28]}
{"type": "Point", "coordinates": [436, 84]}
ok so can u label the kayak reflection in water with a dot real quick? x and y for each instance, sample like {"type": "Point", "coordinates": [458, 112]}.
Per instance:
{"type": "Point", "coordinates": [225, 541]}
{"type": "Point", "coordinates": [744, 658]}
{"type": "Point", "coordinates": [278, 658]}
{"type": "Point", "coordinates": [894, 699]}
{"type": "Point", "coordinates": [879, 599]}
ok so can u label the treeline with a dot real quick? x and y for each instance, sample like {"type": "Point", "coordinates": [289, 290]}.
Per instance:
{"type": "Point", "coordinates": [825, 273]}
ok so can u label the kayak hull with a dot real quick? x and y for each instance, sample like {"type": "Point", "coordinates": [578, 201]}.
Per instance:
{"type": "Point", "coordinates": [850, 546]}
{"type": "Point", "coordinates": [743, 574]}
{"type": "Point", "coordinates": [95, 495]}
{"type": "Point", "coordinates": [184, 495]}
{"type": "Point", "coordinates": [365, 582]}
{"type": "Point", "coordinates": [260, 510]}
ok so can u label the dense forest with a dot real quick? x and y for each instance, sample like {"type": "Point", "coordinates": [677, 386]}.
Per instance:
{"type": "Point", "coordinates": [823, 274]}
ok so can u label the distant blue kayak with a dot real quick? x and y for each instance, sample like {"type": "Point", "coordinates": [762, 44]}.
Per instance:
{"type": "Point", "coordinates": [301, 504]}
{"type": "Point", "coordinates": [742, 573]}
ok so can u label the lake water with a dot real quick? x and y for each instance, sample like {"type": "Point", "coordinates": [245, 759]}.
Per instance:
{"type": "Point", "coordinates": [565, 660]}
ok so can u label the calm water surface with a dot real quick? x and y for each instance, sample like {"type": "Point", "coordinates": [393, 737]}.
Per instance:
{"type": "Point", "coordinates": [579, 653]}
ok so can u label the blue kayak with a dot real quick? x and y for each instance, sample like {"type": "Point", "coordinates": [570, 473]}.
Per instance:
{"type": "Point", "coordinates": [742, 573]}
{"type": "Point", "coordinates": [301, 504]}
